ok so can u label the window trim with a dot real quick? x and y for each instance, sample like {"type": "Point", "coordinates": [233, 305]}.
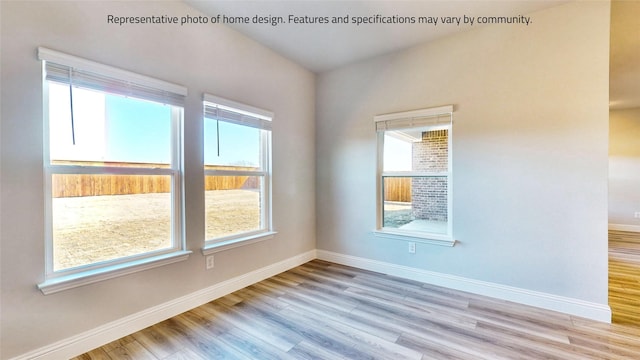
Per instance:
{"type": "Point", "coordinates": [260, 119]}
{"type": "Point", "coordinates": [58, 280]}
{"type": "Point", "coordinates": [70, 281]}
{"type": "Point", "coordinates": [230, 242]}
{"type": "Point", "coordinates": [435, 118]}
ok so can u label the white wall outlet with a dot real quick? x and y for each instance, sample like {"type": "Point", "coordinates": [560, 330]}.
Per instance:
{"type": "Point", "coordinates": [209, 260]}
{"type": "Point", "coordinates": [412, 248]}
{"type": "Point", "coordinates": [636, 214]}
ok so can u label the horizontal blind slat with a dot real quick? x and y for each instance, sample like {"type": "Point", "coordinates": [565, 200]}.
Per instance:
{"type": "Point", "coordinates": [213, 111]}
{"type": "Point", "coordinates": [407, 123]}
{"type": "Point", "coordinates": [65, 74]}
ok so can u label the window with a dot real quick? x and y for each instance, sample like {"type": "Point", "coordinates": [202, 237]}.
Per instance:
{"type": "Point", "coordinates": [237, 155]}
{"type": "Point", "coordinates": [112, 165]}
{"type": "Point", "coordinates": [414, 175]}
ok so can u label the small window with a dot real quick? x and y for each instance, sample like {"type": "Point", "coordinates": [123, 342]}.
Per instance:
{"type": "Point", "coordinates": [414, 176]}
{"type": "Point", "coordinates": [112, 163]}
{"type": "Point", "coordinates": [237, 155]}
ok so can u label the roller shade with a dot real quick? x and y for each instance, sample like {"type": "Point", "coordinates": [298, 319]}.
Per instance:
{"type": "Point", "coordinates": [78, 72]}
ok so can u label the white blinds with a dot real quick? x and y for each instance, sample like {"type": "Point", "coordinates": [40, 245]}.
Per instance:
{"type": "Point", "coordinates": [417, 118]}
{"type": "Point", "coordinates": [68, 69]}
{"type": "Point", "coordinates": [232, 112]}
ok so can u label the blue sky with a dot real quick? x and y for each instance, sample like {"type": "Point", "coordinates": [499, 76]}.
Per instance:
{"type": "Point", "coordinates": [120, 129]}
{"type": "Point", "coordinates": [137, 131]}
{"type": "Point", "coordinates": [239, 145]}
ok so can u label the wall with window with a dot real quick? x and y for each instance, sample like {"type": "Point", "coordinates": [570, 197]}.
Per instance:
{"type": "Point", "coordinates": [205, 59]}
{"type": "Point", "coordinates": [529, 147]}
{"type": "Point", "coordinates": [624, 169]}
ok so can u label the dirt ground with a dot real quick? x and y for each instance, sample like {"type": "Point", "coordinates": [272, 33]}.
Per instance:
{"type": "Point", "coordinates": [91, 229]}
{"type": "Point", "coordinates": [397, 214]}
{"type": "Point", "coordinates": [241, 212]}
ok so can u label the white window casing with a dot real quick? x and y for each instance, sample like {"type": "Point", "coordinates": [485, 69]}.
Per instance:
{"type": "Point", "coordinates": [81, 73]}
{"type": "Point", "coordinates": [220, 109]}
{"type": "Point", "coordinates": [400, 125]}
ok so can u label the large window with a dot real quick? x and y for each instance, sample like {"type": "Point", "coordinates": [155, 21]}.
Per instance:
{"type": "Point", "coordinates": [414, 174]}
{"type": "Point", "coordinates": [237, 153]}
{"type": "Point", "coordinates": [112, 164]}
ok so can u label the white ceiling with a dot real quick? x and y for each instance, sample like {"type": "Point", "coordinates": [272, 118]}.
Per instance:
{"type": "Point", "coordinates": [322, 47]}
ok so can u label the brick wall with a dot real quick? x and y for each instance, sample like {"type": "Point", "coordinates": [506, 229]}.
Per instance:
{"type": "Point", "coordinates": [429, 195]}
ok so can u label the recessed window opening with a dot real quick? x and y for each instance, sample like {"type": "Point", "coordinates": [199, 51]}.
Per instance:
{"type": "Point", "coordinates": [414, 173]}
{"type": "Point", "coordinates": [112, 163]}
{"type": "Point", "coordinates": [237, 156]}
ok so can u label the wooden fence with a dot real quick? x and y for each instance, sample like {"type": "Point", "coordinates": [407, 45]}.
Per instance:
{"type": "Point", "coordinates": [230, 182]}
{"type": "Point", "coordinates": [397, 189]}
{"type": "Point", "coordinates": [75, 185]}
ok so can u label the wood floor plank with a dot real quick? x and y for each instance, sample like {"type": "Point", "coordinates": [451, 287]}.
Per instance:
{"type": "Point", "coordinates": [131, 351]}
{"type": "Point", "coordinates": [185, 354]}
{"type": "Point", "coordinates": [528, 345]}
{"type": "Point", "coordinates": [624, 277]}
{"type": "Point", "coordinates": [118, 343]}
{"type": "Point", "coordinates": [158, 341]}
{"type": "Point", "coordinates": [237, 319]}
{"type": "Point", "coordinates": [312, 305]}
{"type": "Point", "coordinates": [544, 327]}
{"type": "Point", "coordinates": [374, 346]}
{"type": "Point", "coordinates": [199, 340]}
{"type": "Point", "coordinates": [311, 351]}
{"type": "Point", "coordinates": [462, 339]}
{"type": "Point", "coordinates": [253, 346]}
{"type": "Point", "coordinates": [96, 354]}
{"type": "Point", "coordinates": [267, 320]}
{"type": "Point", "coordinates": [434, 350]}
{"type": "Point", "coordinates": [307, 331]}
{"type": "Point", "coordinates": [327, 311]}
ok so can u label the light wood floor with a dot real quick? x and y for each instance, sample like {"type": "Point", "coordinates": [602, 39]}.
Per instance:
{"type": "Point", "coordinates": [327, 311]}
{"type": "Point", "coordinates": [624, 277]}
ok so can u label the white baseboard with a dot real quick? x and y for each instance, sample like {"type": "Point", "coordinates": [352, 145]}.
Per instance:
{"type": "Point", "coordinates": [595, 311]}
{"type": "Point", "coordinates": [104, 334]}
{"type": "Point", "coordinates": [624, 227]}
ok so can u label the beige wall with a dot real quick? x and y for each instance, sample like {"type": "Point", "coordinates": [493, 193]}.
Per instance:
{"type": "Point", "coordinates": [212, 59]}
{"type": "Point", "coordinates": [624, 168]}
{"type": "Point", "coordinates": [530, 142]}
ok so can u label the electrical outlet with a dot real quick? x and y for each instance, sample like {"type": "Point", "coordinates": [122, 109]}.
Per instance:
{"type": "Point", "coordinates": [209, 260]}
{"type": "Point", "coordinates": [412, 248]}
{"type": "Point", "coordinates": [636, 214]}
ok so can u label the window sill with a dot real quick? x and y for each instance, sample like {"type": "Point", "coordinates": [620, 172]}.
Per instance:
{"type": "Point", "coordinates": [236, 242]}
{"type": "Point", "coordinates": [433, 239]}
{"type": "Point", "coordinates": [71, 281]}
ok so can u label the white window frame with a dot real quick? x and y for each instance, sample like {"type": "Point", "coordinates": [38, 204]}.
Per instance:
{"type": "Point", "coordinates": [257, 118]}
{"type": "Point", "coordinates": [77, 276]}
{"type": "Point", "coordinates": [437, 118]}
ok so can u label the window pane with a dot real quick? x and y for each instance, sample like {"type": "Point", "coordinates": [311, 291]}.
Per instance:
{"type": "Point", "coordinates": [104, 217]}
{"type": "Point", "coordinates": [233, 205]}
{"type": "Point", "coordinates": [107, 128]}
{"type": "Point", "coordinates": [416, 150]}
{"type": "Point", "coordinates": [416, 203]}
{"type": "Point", "coordinates": [230, 144]}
